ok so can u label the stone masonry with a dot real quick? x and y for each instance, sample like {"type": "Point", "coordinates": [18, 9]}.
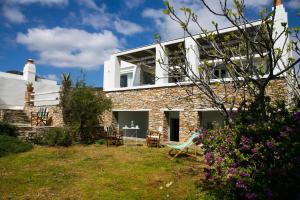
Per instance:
{"type": "Point", "coordinates": [160, 99]}
{"type": "Point", "coordinates": [55, 112]}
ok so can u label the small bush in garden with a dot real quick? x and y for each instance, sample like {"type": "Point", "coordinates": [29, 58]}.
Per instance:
{"type": "Point", "coordinates": [101, 141]}
{"type": "Point", "coordinates": [82, 106]}
{"type": "Point", "coordinates": [57, 137]}
{"type": "Point", "coordinates": [256, 160]}
{"type": "Point", "coordinates": [38, 139]}
{"type": "Point", "coordinates": [10, 145]}
{"type": "Point", "coordinates": [7, 129]}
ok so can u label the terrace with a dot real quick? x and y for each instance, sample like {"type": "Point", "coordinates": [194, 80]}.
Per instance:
{"type": "Point", "coordinates": [157, 65]}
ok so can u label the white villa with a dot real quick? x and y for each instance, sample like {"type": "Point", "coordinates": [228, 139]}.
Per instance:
{"type": "Point", "coordinates": [13, 87]}
{"type": "Point", "coordinates": [145, 94]}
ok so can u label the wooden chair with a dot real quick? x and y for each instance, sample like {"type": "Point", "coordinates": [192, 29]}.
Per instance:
{"type": "Point", "coordinates": [153, 138]}
{"type": "Point", "coordinates": [40, 117]}
{"type": "Point", "coordinates": [113, 136]}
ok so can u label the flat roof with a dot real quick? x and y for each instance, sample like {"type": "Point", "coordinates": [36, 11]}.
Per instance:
{"type": "Point", "coordinates": [180, 39]}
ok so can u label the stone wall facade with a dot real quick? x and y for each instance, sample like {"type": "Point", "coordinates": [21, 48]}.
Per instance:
{"type": "Point", "coordinates": [54, 111]}
{"type": "Point", "coordinates": [2, 112]}
{"type": "Point", "coordinates": [159, 100]}
{"type": "Point", "coordinates": [55, 114]}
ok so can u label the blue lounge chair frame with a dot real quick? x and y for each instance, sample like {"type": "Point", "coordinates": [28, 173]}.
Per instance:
{"type": "Point", "coordinates": [180, 148]}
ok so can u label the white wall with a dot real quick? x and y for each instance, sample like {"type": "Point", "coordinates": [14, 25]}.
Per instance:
{"type": "Point", "coordinates": [51, 89]}
{"type": "Point", "coordinates": [281, 16]}
{"type": "Point", "coordinates": [12, 91]}
{"type": "Point", "coordinates": [140, 118]}
{"type": "Point", "coordinates": [132, 71]}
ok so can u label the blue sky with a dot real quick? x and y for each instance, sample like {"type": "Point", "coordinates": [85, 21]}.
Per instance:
{"type": "Point", "coordinates": [70, 35]}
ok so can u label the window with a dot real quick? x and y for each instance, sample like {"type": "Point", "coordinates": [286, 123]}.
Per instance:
{"type": "Point", "coordinates": [148, 78]}
{"type": "Point", "coordinates": [176, 74]}
{"type": "Point", "coordinates": [124, 80]}
{"type": "Point", "coordinates": [220, 73]}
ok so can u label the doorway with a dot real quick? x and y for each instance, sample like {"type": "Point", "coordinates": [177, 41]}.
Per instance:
{"type": "Point", "coordinates": [174, 129]}
{"type": "Point", "coordinates": [135, 118]}
{"type": "Point", "coordinates": [173, 125]}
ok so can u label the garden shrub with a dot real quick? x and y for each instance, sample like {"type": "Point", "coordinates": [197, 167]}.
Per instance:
{"type": "Point", "coordinates": [256, 159]}
{"type": "Point", "coordinates": [82, 106]}
{"type": "Point", "coordinates": [38, 139]}
{"type": "Point", "coordinates": [7, 129]}
{"type": "Point", "coordinates": [10, 145]}
{"type": "Point", "coordinates": [101, 141]}
{"type": "Point", "coordinates": [57, 137]}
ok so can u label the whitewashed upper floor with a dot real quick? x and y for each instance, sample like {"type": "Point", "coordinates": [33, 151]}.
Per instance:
{"type": "Point", "coordinates": [143, 68]}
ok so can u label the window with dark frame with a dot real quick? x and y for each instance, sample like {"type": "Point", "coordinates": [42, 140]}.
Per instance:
{"type": "Point", "coordinates": [124, 80]}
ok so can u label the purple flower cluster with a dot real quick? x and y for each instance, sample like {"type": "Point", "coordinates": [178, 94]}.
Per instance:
{"type": "Point", "coordinates": [287, 132]}
{"type": "Point", "coordinates": [207, 174]}
{"type": "Point", "coordinates": [245, 141]}
{"type": "Point", "coordinates": [230, 173]}
{"type": "Point", "coordinates": [244, 174]}
{"type": "Point", "coordinates": [219, 159]}
{"type": "Point", "coordinates": [250, 196]}
{"type": "Point", "coordinates": [209, 158]}
{"type": "Point", "coordinates": [270, 144]}
{"type": "Point", "coordinates": [237, 155]}
{"type": "Point", "coordinates": [254, 150]}
{"type": "Point", "coordinates": [240, 184]}
{"type": "Point", "coordinates": [297, 117]}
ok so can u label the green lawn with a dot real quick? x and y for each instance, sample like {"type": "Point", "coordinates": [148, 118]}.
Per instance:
{"type": "Point", "coordinates": [98, 172]}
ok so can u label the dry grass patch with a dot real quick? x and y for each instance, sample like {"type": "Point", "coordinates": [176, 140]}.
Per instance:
{"type": "Point", "coordinates": [98, 172]}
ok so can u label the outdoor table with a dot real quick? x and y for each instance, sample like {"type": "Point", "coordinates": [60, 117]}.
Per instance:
{"type": "Point", "coordinates": [127, 129]}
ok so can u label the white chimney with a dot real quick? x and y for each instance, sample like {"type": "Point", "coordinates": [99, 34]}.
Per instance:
{"type": "Point", "coordinates": [29, 71]}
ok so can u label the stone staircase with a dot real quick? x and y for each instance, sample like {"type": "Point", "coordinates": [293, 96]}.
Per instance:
{"type": "Point", "coordinates": [16, 116]}
{"type": "Point", "coordinates": [19, 119]}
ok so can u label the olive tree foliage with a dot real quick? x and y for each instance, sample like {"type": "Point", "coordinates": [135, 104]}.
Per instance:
{"type": "Point", "coordinates": [252, 55]}
{"type": "Point", "coordinates": [82, 105]}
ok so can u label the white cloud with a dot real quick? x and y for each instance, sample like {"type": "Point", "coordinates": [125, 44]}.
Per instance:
{"type": "Point", "coordinates": [11, 8]}
{"type": "Point", "coordinates": [169, 29]}
{"type": "Point", "coordinates": [91, 4]}
{"type": "Point", "coordinates": [52, 77]}
{"type": "Point", "coordinates": [13, 14]}
{"type": "Point", "coordinates": [133, 3]}
{"type": "Point", "coordinates": [102, 19]}
{"type": "Point", "coordinates": [62, 47]}
{"type": "Point", "coordinates": [96, 20]}
{"type": "Point", "coordinates": [43, 2]}
{"type": "Point", "coordinates": [258, 4]}
{"type": "Point", "coordinates": [294, 4]}
{"type": "Point", "coordinates": [127, 27]}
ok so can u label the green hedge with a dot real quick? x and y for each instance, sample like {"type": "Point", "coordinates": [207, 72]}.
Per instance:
{"type": "Point", "coordinates": [7, 129]}
{"type": "Point", "coordinates": [9, 145]}
{"type": "Point", "coordinates": [57, 137]}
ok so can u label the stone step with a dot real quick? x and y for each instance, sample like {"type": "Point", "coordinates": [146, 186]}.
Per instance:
{"type": "Point", "coordinates": [15, 116]}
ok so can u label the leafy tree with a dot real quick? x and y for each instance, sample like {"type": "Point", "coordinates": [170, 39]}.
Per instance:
{"type": "Point", "coordinates": [82, 106]}
{"type": "Point", "coordinates": [248, 42]}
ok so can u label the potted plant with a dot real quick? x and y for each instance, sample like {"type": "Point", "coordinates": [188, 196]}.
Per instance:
{"type": "Point", "coordinates": [29, 87]}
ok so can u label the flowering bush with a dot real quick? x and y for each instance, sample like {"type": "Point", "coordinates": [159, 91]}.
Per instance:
{"type": "Point", "coordinates": [256, 159]}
